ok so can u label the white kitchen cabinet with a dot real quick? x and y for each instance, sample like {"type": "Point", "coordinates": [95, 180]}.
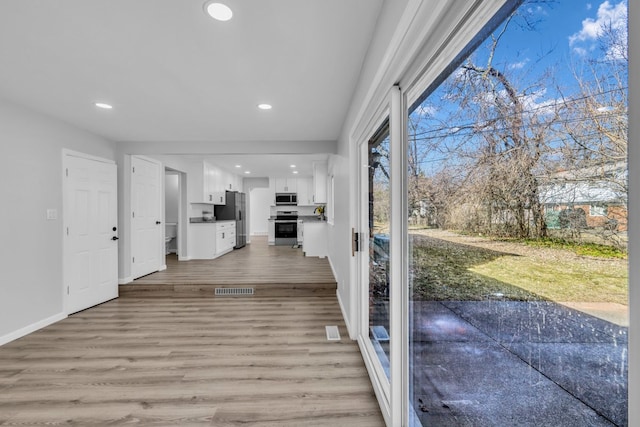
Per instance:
{"type": "Point", "coordinates": [319, 182]}
{"type": "Point", "coordinates": [272, 232]}
{"type": "Point", "coordinates": [213, 191]}
{"type": "Point", "coordinates": [225, 237]}
{"type": "Point", "coordinates": [219, 198]}
{"type": "Point", "coordinates": [300, 231]}
{"type": "Point", "coordinates": [208, 181]}
{"type": "Point", "coordinates": [202, 240]}
{"type": "Point", "coordinates": [286, 185]}
{"type": "Point", "coordinates": [210, 240]}
{"type": "Point", "coordinates": [305, 191]}
{"type": "Point", "coordinates": [225, 181]}
{"type": "Point", "coordinates": [229, 181]}
{"type": "Point", "coordinates": [314, 242]}
{"type": "Point", "coordinates": [236, 183]}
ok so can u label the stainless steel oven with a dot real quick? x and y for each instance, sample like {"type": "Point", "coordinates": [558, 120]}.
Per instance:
{"type": "Point", "coordinates": [286, 228]}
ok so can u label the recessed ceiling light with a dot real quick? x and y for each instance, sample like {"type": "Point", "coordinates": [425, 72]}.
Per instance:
{"type": "Point", "coordinates": [247, 172]}
{"type": "Point", "coordinates": [265, 106]}
{"type": "Point", "coordinates": [218, 11]}
{"type": "Point", "coordinates": [292, 166]}
{"type": "Point", "coordinates": [238, 166]}
{"type": "Point", "coordinates": [295, 172]}
{"type": "Point", "coordinates": [103, 105]}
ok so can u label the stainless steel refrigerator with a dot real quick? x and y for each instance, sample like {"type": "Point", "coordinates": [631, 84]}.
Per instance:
{"type": "Point", "coordinates": [234, 210]}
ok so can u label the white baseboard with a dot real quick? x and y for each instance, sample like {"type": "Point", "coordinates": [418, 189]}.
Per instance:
{"type": "Point", "coordinates": [260, 233]}
{"type": "Point", "coordinates": [125, 280]}
{"type": "Point", "coordinates": [184, 258]}
{"type": "Point", "coordinates": [333, 270]}
{"type": "Point", "coordinates": [31, 328]}
{"type": "Point", "coordinates": [347, 323]}
{"type": "Point", "coordinates": [163, 267]}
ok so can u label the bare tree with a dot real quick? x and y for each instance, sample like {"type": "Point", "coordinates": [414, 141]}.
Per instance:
{"type": "Point", "coordinates": [594, 131]}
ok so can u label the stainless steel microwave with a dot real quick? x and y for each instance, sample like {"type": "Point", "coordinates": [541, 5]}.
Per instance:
{"type": "Point", "coordinates": [286, 199]}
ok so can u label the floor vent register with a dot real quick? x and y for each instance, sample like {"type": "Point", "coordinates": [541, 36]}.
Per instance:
{"type": "Point", "coordinates": [233, 292]}
{"type": "Point", "coordinates": [332, 333]}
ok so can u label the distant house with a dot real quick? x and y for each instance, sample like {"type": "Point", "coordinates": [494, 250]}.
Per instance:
{"type": "Point", "coordinates": [592, 197]}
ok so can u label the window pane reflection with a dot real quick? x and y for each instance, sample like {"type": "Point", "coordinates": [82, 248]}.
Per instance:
{"type": "Point", "coordinates": [517, 194]}
{"type": "Point", "coordinates": [379, 215]}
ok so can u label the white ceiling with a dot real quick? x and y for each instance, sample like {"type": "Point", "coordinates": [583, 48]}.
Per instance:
{"type": "Point", "coordinates": [174, 74]}
{"type": "Point", "coordinates": [261, 166]}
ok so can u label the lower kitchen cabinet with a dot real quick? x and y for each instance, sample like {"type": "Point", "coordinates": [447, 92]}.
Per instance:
{"type": "Point", "coordinates": [272, 232]}
{"type": "Point", "coordinates": [209, 240]}
{"type": "Point", "coordinates": [225, 237]}
{"type": "Point", "coordinates": [314, 240]}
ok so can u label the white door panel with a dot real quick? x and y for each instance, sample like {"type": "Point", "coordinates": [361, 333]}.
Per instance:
{"type": "Point", "coordinates": [146, 215]}
{"type": "Point", "coordinates": [91, 253]}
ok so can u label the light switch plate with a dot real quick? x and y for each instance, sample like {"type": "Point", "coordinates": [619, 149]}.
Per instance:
{"type": "Point", "coordinates": [52, 214]}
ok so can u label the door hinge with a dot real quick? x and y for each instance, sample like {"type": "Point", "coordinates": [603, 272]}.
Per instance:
{"type": "Point", "coordinates": [67, 172]}
{"type": "Point", "coordinates": [133, 169]}
{"type": "Point", "coordinates": [133, 260]}
{"type": "Point", "coordinates": [133, 214]}
{"type": "Point", "coordinates": [67, 231]}
{"type": "Point", "coordinates": [67, 290]}
{"type": "Point", "coordinates": [355, 242]}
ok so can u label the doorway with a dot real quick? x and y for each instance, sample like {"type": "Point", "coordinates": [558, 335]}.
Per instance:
{"type": "Point", "coordinates": [171, 213]}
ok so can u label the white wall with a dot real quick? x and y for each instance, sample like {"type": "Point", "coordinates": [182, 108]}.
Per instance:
{"type": "Point", "coordinates": [260, 201]}
{"type": "Point", "coordinates": [343, 167]}
{"type": "Point", "coordinates": [31, 183]}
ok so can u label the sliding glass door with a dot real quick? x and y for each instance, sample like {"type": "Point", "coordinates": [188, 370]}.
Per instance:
{"type": "Point", "coordinates": [378, 217]}
{"type": "Point", "coordinates": [494, 274]}
{"type": "Point", "coordinates": [516, 189]}
{"type": "Point", "coordinates": [373, 256]}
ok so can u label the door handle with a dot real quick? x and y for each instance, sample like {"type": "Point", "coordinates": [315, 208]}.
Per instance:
{"type": "Point", "coordinates": [158, 223]}
{"type": "Point", "coordinates": [114, 238]}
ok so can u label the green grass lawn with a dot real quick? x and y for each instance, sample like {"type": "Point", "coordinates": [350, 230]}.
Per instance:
{"type": "Point", "coordinates": [559, 281]}
{"type": "Point", "coordinates": [444, 270]}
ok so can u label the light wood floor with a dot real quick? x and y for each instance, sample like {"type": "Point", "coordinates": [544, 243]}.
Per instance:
{"type": "Point", "coordinates": [256, 264]}
{"type": "Point", "coordinates": [190, 359]}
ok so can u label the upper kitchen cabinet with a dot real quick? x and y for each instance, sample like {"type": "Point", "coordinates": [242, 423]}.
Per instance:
{"type": "Point", "coordinates": [238, 183]}
{"type": "Point", "coordinates": [286, 185]}
{"type": "Point", "coordinates": [320, 182]}
{"type": "Point", "coordinates": [230, 181]}
{"type": "Point", "coordinates": [212, 185]}
{"type": "Point", "coordinates": [215, 183]}
{"type": "Point", "coordinates": [305, 191]}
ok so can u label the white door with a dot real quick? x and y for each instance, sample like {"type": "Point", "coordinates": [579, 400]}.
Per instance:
{"type": "Point", "coordinates": [146, 216]}
{"type": "Point", "coordinates": [91, 220]}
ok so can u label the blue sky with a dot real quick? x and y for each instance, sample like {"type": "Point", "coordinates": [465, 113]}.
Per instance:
{"type": "Point", "coordinates": [565, 35]}
{"type": "Point", "coordinates": [565, 31]}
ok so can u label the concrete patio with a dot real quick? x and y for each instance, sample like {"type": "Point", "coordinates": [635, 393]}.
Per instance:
{"type": "Point", "coordinates": [493, 363]}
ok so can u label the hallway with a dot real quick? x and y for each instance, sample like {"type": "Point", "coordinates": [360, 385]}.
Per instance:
{"type": "Point", "coordinates": [255, 264]}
